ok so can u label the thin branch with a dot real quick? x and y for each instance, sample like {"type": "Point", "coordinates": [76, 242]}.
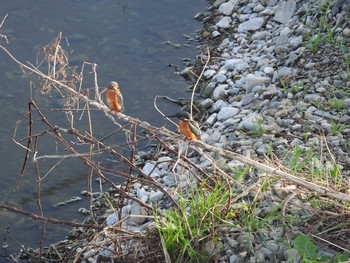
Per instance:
{"type": "Point", "coordinates": [49, 219]}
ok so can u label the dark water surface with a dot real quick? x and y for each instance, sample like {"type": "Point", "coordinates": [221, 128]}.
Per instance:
{"type": "Point", "coordinates": [127, 41]}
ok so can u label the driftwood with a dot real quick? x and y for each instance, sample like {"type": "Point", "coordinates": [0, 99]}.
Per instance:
{"type": "Point", "coordinates": [161, 131]}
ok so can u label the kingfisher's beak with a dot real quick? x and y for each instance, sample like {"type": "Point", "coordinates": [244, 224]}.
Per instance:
{"type": "Point", "coordinates": [104, 90]}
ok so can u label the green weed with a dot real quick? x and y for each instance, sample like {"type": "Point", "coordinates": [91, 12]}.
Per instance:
{"type": "Point", "coordinates": [307, 251]}
{"type": "Point", "coordinates": [258, 127]}
{"type": "Point", "coordinates": [199, 216]}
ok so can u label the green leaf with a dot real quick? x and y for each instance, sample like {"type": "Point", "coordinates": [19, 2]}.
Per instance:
{"type": "Point", "coordinates": [305, 247]}
{"type": "Point", "coordinates": [341, 258]}
{"type": "Point", "coordinates": [325, 258]}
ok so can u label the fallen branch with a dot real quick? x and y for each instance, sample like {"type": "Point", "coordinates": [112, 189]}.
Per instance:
{"type": "Point", "coordinates": [49, 219]}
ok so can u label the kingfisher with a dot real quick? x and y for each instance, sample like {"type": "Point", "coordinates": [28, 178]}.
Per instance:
{"type": "Point", "coordinates": [188, 127]}
{"type": "Point", "coordinates": [114, 97]}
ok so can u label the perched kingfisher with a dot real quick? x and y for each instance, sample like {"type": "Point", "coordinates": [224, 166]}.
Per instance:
{"type": "Point", "coordinates": [188, 127]}
{"type": "Point", "coordinates": [114, 97]}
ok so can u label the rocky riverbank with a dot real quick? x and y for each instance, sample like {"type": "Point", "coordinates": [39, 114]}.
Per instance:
{"type": "Point", "coordinates": [276, 89]}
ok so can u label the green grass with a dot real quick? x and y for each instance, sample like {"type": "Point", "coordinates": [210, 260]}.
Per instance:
{"type": "Point", "coordinates": [337, 104]}
{"type": "Point", "coordinates": [337, 127]}
{"type": "Point", "coordinates": [323, 34]}
{"type": "Point", "coordinates": [258, 128]}
{"type": "Point", "coordinates": [316, 166]}
{"type": "Point", "coordinates": [185, 230]}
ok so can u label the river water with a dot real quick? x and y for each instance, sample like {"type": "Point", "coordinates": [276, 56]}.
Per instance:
{"type": "Point", "coordinates": [132, 42]}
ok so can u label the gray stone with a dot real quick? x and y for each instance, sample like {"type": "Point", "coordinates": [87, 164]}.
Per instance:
{"type": "Point", "coordinates": [169, 180]}
{"type": "Point", "coordinates": [236, 64]}
{"type": "Point", "coordinates": [215, 34]}
{"type": "Point", "coordinates": [220, 92]}
{"type": "Point", "coordinates": [284, 11]}
{"type": "Point", "coordinates": [247, 99]}
{"type": "Point", "coordinates": [313, 98]}
{"type": "Point", "coordinates": [138, 212]}
{"type": "Point", "coordinates": [296, 41]}
{"type": "Point", "coordinates": [269, 70]}
{"type": "Point", "coordinates": [258, 8]}
{"type": "Point", "coordinates": [253, 80]}
{"type": "Point", "coordinates": [252, 25]}
{"type": "Point", "coordinates": [142, 194]}
{"type": "Point", "coordinates": [327, 127]}
{"type": "Point", "coordinates": [282, 39]}
{"type": "Point", "coordinates": [211, 120]}
{"type": "Point", "coordinates": [209, 73]}
{"type": "Point", "coordinates": [246, 240]}
{"type": "Point", "coordinates": [208, 90]}
{"type": "Point", "coordinates": [249, 123]}
{"type": "Point", "coordinates": [269, 93]}
{"type": "Point", "coordinates": [232, 242]}
{"type": "Point", "coordinates": [209, 247]}
{"type": "Point", "coordinates": [285, 71]}
{"type": "Point", "coordinates": [227, 8]}
{"type": "Point", "coordinates": [277, 233]}
{"type": "Point", "coordinates": [213, 138]}
{"type": "Point", "coordinates": [111, 219]}
{"type": "Point", "coordinates": [218, 105]}
{"type": "Point", "coordinates": [346, 32]}
{"type": "Point", "coordinates": [219, 78]}
{"type": "Point", "coordinates": [236, 259]}
{"type": "Point", "coordinates": [156, 196]}
{"type": "Point", "coordinates": [205, 104]}
{"type": "Point", "coordinates": [149, 169]}
{"type": "Point", "coordinates": [227, 113]}
{"type": "Point", "coordinates": [263, 149]}
{"type": "Point", "coordinates": [224, 22]}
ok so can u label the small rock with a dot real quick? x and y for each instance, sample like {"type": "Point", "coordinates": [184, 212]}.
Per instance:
{"type": "Point", "coordinates": [211, 120]}
{"type": "Point", "coordinates": [142, 194]}
{"type": "Point", "coordinates": [209, 73]}
{"type": "Point", "coordinates": [227, 113]}
{"type": "Point", "coordinates": [236, 259]}
{"type": "Point", "coordinates": [277, 233]}
{"type": "Point", "coordinates": [209, 247]}
{"type": "Point", "coordinates": [247, 99]}
{"type": "Point", "coordinates": [138, 211]}
{"type": "Point", "coordinates": [313, 98]}
{"type": "Point", "coordinates": [285, 11]}
{"type": "Point", "coordinates": [150, 169]}
{"type": "Point", "coordinates": [346, 32]}
{"type": "Point", "coordinates": [208, 90]}
{"type": "Point", "coordinates": [220, 92]}
{"type": "Point", "coordinates": [227, 8]}
{"type": "Point", "coordinates": [219, 78]}
{"type": "Point", "coordinates": [296, 41]}
{"type": "Point", "coordinates": [215, 34]}
{"type": "Point", "coordinates": [205, 104]}
{"type": "Point", "coordinates": [111, 219]}
{"type": "Point", "coordinates": [246, 240]}
{"type": "Point", "coordinates": [254, 80]}
{"type": "Point", "coordinates": [156, 196]}
{"type": "Point", "coordinates": [252, 25]}
{"type": "Point", "coordinates": [224, 22]}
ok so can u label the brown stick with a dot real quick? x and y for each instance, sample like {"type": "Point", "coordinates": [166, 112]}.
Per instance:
{"type": "Point", "coordinates": [49, 219]}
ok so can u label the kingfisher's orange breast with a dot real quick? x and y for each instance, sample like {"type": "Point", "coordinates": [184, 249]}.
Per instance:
{"type": "Point", "coordinates": [112, 100]}
{"type": "Point", "coordinates": [185, 130]}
